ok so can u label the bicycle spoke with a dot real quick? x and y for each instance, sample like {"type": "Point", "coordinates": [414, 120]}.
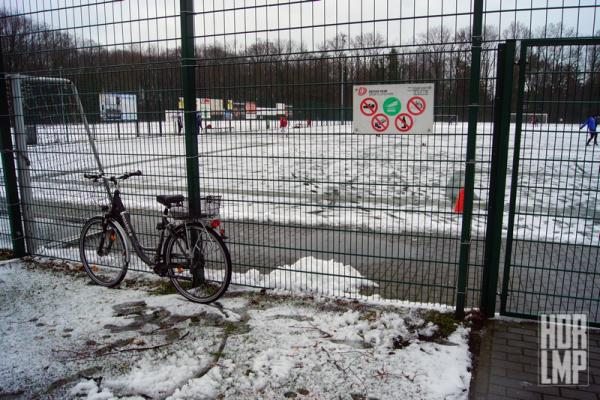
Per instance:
{"type": "Point", "coordinates": [204, 277]}
{"type": "Point", "coordinates": [103, 253]}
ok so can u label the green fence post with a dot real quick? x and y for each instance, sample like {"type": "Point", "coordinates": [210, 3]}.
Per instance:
{"type": "Point", "coordinates": [188, 80]}
{"type": "Point", "coordinates": [8, 168]}
{"type": "Point", "coordinates": [493, 237]}
{"type": "Point", "coordinates": [515, 176]}
{"type": "Point", "coordinates": [469, 185]}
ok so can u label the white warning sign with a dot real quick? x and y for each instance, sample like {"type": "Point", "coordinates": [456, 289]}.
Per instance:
{"type": "Point", "coordinates": [406, 108]}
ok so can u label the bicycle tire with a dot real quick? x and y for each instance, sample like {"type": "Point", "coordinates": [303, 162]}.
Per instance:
{"type": "Point", "coordinates": [209, 258]}
{"type": "Point", "coordinates": [100, 267]}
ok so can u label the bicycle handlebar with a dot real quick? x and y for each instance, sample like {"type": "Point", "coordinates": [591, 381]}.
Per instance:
{"type": "Point", "coordinates": [130, 174]}
{"type": "Point", "coordinates": [127, 175]}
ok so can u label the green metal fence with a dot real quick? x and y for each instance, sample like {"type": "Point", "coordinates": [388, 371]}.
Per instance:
{"type": "Point", "coordinates": [551, 261]}
{"type": "Point", "coordinates": [381, 208]}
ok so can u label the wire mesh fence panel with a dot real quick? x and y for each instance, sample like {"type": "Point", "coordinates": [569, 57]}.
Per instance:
{"type": "Point", "coordinates": [520, 21]}
{"type": "Point", "coordinates": [5, 236]}
{"type": "Point", "coordinates": [95, 80]}
{"type": "Point", "coordinates": [556, 219]}
{"type": "Point", "coordinates": [309, 202]}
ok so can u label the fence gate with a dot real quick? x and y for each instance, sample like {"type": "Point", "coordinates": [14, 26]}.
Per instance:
{"type": "Point", "coordinates": [552, 247]}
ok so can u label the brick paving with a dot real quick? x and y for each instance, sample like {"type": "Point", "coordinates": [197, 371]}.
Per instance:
{"type": "Point", "coordinates": [507, 366]}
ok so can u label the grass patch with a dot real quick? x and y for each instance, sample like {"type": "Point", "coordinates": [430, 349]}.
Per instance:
{"type": "Point", "coordinates": [446, 324]}
{"type": "Point", "coordinates": [6, 255]}
{"type": "Point", "coordinates": [162, 288]}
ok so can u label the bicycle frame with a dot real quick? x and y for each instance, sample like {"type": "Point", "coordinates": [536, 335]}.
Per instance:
{"type": "Point", "coordinates": [119, 213]}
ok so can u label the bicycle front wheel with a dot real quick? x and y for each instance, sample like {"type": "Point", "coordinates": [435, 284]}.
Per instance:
{"type": "Point", "coordinates": [199, 264]}
{"type": "Point", "coordinates": [104, 252]}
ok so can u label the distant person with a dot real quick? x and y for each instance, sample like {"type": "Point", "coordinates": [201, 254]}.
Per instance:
{"type": "Point", "coordinates": [199, 121]}
{"type": "Point", "coordinates": [283, 123]}
{"type": "Point", "coordinates": [534, 121]}
{"type": "Point", "coordinates": [179, 124]}
{"type": "Point", "coordinates": [309, 123]}
{"type": "Point", "coordinates": [592, 125]}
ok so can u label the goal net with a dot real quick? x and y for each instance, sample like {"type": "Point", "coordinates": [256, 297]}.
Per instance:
{"type": "Point", "coordinates": [528, 118]}
{"type": "Point", "coordinates": [54, 146]}
{"type": "Point", "coordinates": [51, 111]}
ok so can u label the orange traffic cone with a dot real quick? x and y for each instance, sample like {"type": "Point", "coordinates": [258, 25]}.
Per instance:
{"type": "Point", "coordinates": [460, 202]}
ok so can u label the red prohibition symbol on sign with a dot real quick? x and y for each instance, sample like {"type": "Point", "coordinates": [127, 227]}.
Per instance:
{"type": "Point", "coordinates": [404, 122]}
{"type": "Point", "coordinates": [416, 105]}
{"type": "Point", "coordinates": [369, 106]}
{"type": "Point", "coordinates": [380, 122]}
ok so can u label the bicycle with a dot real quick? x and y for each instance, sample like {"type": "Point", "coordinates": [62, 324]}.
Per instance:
{"type": "Point", "coordinates": [189, 251]}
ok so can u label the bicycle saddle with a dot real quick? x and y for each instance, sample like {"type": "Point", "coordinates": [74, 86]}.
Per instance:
{"type": "Point", "coordinates": [168, 200]}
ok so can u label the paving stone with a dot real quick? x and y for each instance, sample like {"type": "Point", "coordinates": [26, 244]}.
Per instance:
{"type": "Point", "coordinates": [523, 331]}
{"type": "Point", "coordinates": [523, 375]}
{"type": "Point", "coordinates": [490, 396]}
{"type": "Point", "coordinates": [497, 389]}
{"type": "Point", "coordinates": [499, 355]}
{"type": "Point", "coordinates": [528, 361]}
{"type": "Point", "coordinates": [532, 339]}
{"type": "Point", "coordinates": [590, 388]}
{"type": "Point", "coordinates": [512, 393]}
{"type": "Point", "coordinates": [545, 390]}
{"type": "Point", "coordinates": [577, 394]}
{"type": "Point", "coordinates": [505, 381]}
{"type": "Point", "coordinates": [508, 367]}
{"type": "Point", "coordinates": [497, 372]}
{"type": "Point", "coordinates": [532, 353]}
{"type": "Point", "coordinates": [513, 349]}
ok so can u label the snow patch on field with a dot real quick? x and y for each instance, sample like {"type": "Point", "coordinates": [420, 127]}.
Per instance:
{"type": "Point", "coordinates": [327, 176]}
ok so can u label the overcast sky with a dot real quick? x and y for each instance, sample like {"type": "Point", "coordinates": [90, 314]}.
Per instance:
{"type": "Point", "coordinates": [239, 23]}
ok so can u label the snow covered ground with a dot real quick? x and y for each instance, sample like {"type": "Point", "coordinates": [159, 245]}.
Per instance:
{"type": "Point", "coordinates": [65, 338]}
{"type": "Point", "coordinates": [326, 176]}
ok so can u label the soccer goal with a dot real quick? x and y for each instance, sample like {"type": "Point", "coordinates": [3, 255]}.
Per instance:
{"type": "Point", "coordinates": [48, 112]}
{"type": "Point", "coordinates": [528, 118]}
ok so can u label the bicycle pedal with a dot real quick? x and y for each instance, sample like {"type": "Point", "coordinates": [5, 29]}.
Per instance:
{"type": "Point", "coordinates": [161, 269]}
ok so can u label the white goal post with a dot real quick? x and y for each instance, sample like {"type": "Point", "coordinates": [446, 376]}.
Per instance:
{"type": "Point", "coordinates": [53, 102]}
{"type": "Point", "coordinates": [528, 118]}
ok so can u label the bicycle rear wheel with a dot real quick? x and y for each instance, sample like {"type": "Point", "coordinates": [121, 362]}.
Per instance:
{"type": "Point", "coordinates": [203, 273]}
{"type": "Point", "coordinates": [104, 252]}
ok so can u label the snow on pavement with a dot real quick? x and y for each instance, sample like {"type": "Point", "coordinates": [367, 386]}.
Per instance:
{"type": "Point", "coordinates": [63, 337]}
